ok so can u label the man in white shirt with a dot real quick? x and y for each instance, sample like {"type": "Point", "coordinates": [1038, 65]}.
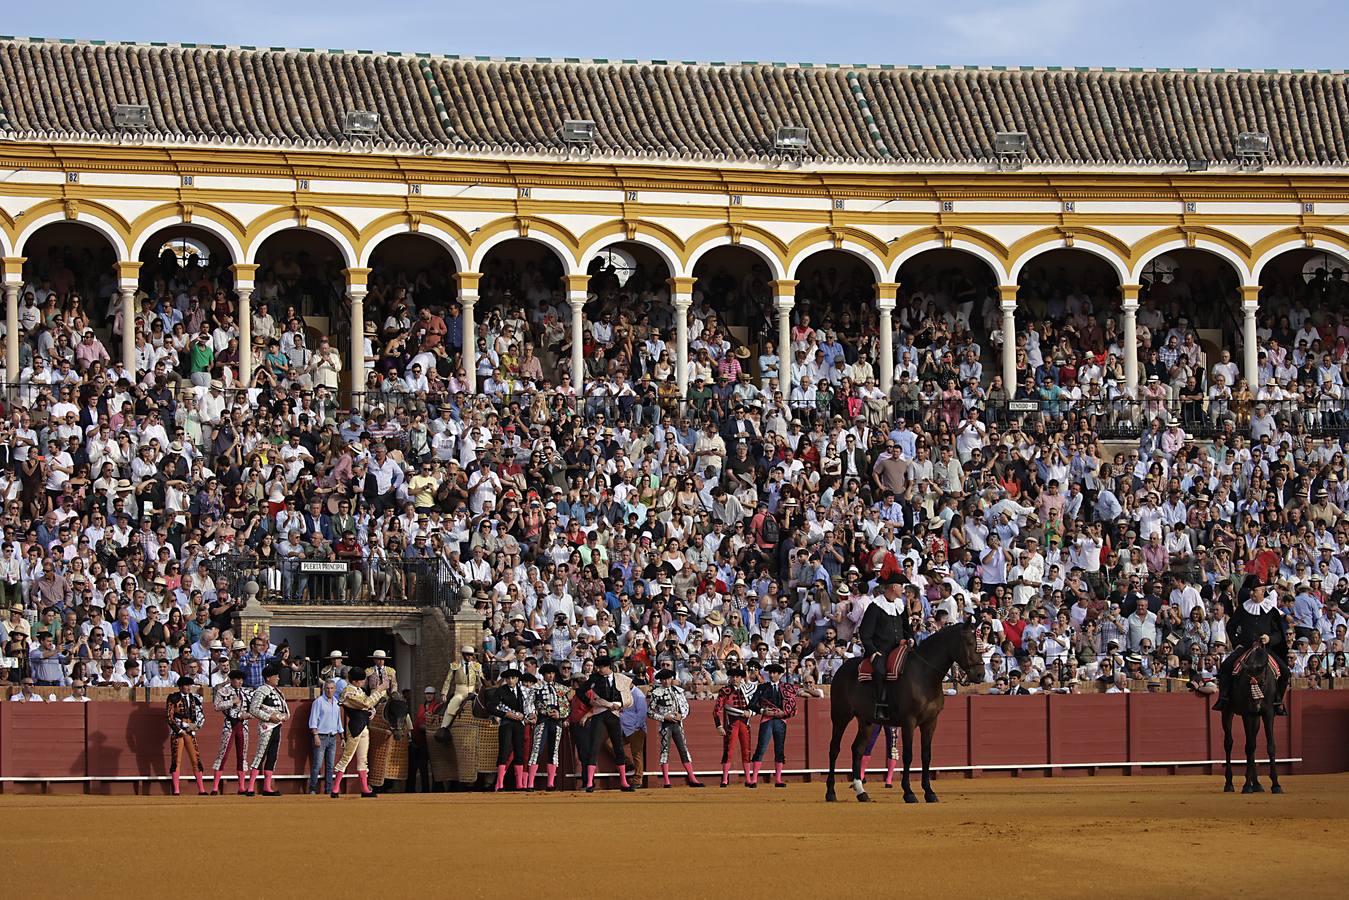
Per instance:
{"type": "Point", "coordinates": [1184, 595]}
{"type": "Point", "coordinates": [25, 693]}
{"type": "Point", "coordinates": [79, 692]}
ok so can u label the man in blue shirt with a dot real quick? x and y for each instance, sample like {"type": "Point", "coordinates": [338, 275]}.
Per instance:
{"type": "Point", "coordinates": [633, 722]}
{"type": "Point", "coordinates": [325, 724]}
{"type": "Point", "coordinates": [254, 661]}
{"type": "Point", "coordinates": [1306, 609]}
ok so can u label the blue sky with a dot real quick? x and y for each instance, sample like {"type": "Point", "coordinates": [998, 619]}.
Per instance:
{"type": "Point", "coordinates": [1178, 33]}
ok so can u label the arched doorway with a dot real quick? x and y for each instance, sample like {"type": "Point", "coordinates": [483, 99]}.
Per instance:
{"type": "Point", "coordinates": [733, 282]}
{"type": "Point", "coordinates": [299, 294]}
{"type": "Point", "coordinates": [956, 288]}
{"type": "Point", "coordinates": [185, 282]}
{"type": "Point", "coordinates": [1301, 285]}
{"type": "Point", "coordinates": [73, 260]}
{"type": "Point", "coordinates": [733, 287]}
{"type": "Point", "coordinates": [1303, 298]}
{"type": "Point", "coordinates": [630, 320]}
{"type": "Point", "coordinates": [69, 276]}
{"type": "Point", "coordinates": [835, 306]}
{"type": "Point", "coordinates": [1067, 310]}
{"type": "Point", "coordinates": [1190, 290]}
{"type": "Point", "coordinates": [300, 275]}
{"type": "Point", "coordinates": [410, 289]}
{"type": "Point", "coordinates": [522, 300]}
{"type": "Point", "coordinates": [955, 284]}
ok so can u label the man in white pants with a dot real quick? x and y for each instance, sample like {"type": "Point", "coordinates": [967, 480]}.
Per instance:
{"type": "Point", "coordinates": [357, 707]}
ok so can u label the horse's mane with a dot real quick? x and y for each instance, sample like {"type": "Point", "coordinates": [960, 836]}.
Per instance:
{"type": "Point", "coordinates": [942, 634]}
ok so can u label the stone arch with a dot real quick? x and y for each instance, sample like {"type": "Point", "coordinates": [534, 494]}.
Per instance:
{"type": "Point", "coordinates": [764, 243]}
{"type": "Point", "coordinates": [442, 231]}
{"type": "Point", "coordinates": [1207, 239]}
{"type": "Point", "coordinates": [541, 231]}
{"type": "Point", "coordinates": [216, 222]}
{"type": "Point", "coordinates": [336, 229]}
{"type": "Point", "coordinates": [849, 240]}
{"type": "Point", "coordinates": [987, 250]}
{"type": "Point", "coordinates": [1090, 241]}
{"type": "Point", "coordinates": [1279, 243]}
{"type": "Point", "coordinates": [658, 239]}
{"type": "Point", "coordinates": [92, 215]}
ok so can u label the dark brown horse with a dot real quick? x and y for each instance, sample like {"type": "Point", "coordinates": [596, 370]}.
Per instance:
{"type": "Point", "coordinates": [915, 701]}
{"type": "Point", "coordinates": [1254, 690]}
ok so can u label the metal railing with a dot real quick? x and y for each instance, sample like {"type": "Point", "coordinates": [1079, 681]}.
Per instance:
{"type": "Point", "coordinates": [420, 582]}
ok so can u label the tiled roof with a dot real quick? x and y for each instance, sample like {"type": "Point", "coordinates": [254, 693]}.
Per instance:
{"type": "Point", "coordinates": [66, 90]}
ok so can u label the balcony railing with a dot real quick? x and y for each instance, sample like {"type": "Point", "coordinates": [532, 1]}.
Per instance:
{"type": "Point", "coordinates": [421, 582]}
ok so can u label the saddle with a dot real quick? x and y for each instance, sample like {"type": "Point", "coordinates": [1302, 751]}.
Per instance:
{"type": "Point", "coordinates": [894, 664]}
{"type": "Point", "coordinates": [1273, 661]}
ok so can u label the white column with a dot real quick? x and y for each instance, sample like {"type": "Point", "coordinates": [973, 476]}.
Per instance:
{"type": "Point", "coordinates": [784, 298]}
{"type": "Point", "coordinates": [246, 331]}
{"type": "Point", "coordinates": [681, 308]}
{"type": "Point", "coordinates": [1130, 310]}
{"type": "Point", "coordinates": [578, 369]}
{"type": "Point", "coordinates": [1250, 340]}
{"type": "Point", "coordinates": [1008, 304]}
{"type": "Point", "coordinates": [885, 307]}
{"type": "Point", "coordinates": [468, 300]}
{"type": "Point", "coordinates": [681, 295]}
{"type": "Point", "coordinates": [578, 292]}
{"type": "Point", "coordinates": [128, 292]}
{"type": "Point", "coordinates": [12, 289]}
{"type": "Point", "coordinates": [357, 295]}
{"type": "Point", "coordinates": [243, 286]}
{"type": "Point", "coordinates": [357, 279]}
{"type": "Point", "coordinates": [468, 325]}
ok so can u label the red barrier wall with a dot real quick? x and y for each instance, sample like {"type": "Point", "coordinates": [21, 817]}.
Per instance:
{"type": "Point", "coordinates": [104, 743]}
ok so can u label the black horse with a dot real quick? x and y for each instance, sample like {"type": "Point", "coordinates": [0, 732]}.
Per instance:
{"type": "Point", "coordinates": [915, 701]}
{"type": "Point", "coordinates": [1254, 691]}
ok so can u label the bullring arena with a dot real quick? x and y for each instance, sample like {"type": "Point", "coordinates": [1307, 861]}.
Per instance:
{"type": "Point", "coordinates": [617, 404]}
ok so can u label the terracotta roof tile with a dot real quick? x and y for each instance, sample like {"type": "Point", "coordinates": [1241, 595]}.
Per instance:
{"type": "Point", "coordinates": [687, 111]}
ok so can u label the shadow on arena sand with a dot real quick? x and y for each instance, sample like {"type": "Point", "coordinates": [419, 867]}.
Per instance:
{"type": "Point", "coordinates": [1062, 837]}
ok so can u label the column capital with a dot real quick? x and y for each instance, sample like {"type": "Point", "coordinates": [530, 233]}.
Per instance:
{"type": "Point", "coordinates": [467, 281]}
{"type": "Point", "coordinates": [578, 283]}
{"type": "Point", "coordinates": [1250, 293]}
{"type": "Point", "coordinates": [356, 276]}
{"type": "Point", "coordinates": [1007, 292]}
{"type": "Point", "coordinates": [576, 302]}
{"type": "Point", "coordinates": [128, 270]}
{"type": "Point", "coordinates": [244, 272]}
{"type": "Point", "coordinates": [1008, 307]}
{"type": "Point", "coordinates": [886, 290]}
{"type": "Point", "coordinates": [14, 267]}
{"type": "Point", "coordinates": [1129, 292]}
{"type": "Point", "coordinates": [357, 295]}
{"type": "Point", "coordinates": [784, 287]}
{"type": "Point", "coordinates": [681, 285]}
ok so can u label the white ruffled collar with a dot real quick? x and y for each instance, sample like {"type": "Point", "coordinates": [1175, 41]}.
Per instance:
{"type": "Point", "coordinates": [891, 607]}
{"type": "Point", "coordinates": [1264, 606]}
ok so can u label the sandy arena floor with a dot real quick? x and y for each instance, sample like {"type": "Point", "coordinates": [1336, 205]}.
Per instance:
{"type": "Point", "coordinates": [1065, 837]}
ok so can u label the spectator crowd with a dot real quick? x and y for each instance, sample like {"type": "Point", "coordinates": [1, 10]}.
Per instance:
{"type": "Point", "coordinates": [732, 527]}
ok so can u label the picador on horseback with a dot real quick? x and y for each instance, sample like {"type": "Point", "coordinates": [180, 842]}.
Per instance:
{"type": "Point", "coordinates": [885, 625]}
{"type": "Point", "coordinates": [1257, 619]}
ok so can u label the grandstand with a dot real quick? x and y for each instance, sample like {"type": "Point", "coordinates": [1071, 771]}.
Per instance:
{"type": "Point", "coordinates": [454, 304]}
